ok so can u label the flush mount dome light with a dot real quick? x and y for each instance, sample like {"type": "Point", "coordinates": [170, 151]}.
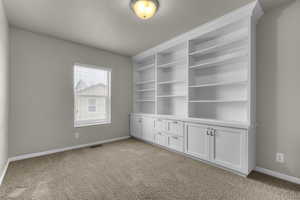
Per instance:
{"type": "Point", "coordinates": [144, 9]}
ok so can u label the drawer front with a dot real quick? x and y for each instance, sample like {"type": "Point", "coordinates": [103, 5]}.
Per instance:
{"type": "Point", "coordinates": [175, 127]}
{"type": "Point", "coordinates": [161, 139]}
{"type": "Point", "coordinates": [176, 143]}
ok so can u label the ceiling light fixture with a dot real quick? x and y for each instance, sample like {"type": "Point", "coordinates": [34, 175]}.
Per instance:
{"type": "Point", "coordinates": [144, 9]}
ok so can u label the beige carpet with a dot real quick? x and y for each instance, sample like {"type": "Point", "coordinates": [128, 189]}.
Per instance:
{"type": "Point", "coordinates": [130, 170]}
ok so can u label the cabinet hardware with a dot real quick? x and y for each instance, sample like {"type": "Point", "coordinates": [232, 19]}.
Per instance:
{"type": "Point", "coordinates": [174, 137]}
{"type": "Point", "coordinates": [174, 122]}
{"type": "Point", "coordinates": [207, 131]}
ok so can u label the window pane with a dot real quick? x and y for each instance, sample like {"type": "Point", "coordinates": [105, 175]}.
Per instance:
{"type": "Point", "coordinates": [91, 91]}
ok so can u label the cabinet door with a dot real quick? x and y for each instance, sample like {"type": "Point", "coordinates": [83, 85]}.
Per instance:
{"type": "Point", "coordinates": [228, 148]}
{"type": "Point", "coordinates": [176, 143]}
{"type": "Point", "coordinates": [137, 127]}
{"type": "Point", "coordinates": [161, 139]}
{"type": "Point", "coordinates": [159, 125]}
{"type": "Point", "coordinates": [175, 127]}
{"type": "Point", "coordinates": [148, 129]}
{"type": "Point", "coordinates": [197, 141]}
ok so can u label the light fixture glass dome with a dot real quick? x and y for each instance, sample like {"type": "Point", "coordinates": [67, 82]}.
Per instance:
{"type": "Point", "coordinates": [144, 9]}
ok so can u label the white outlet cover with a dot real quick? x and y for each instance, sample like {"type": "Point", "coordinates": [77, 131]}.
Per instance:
{"type": "Point", "coordinates": [280, 157]}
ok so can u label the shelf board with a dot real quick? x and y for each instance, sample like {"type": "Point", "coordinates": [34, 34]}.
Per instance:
{"type": "Point", "coordinates": [223, 42]}
{"type": "Point", "coordinates": [170, 64]}
{"type": "Point", "coordinates": [146, 90]}
{"type": "Point", "coordinates": [139, 69]}
{"type": "Point", "coordinates": [171, 82]}
{"type": "Point", "coordinates": [171, 96]}
{"type": "Point", "coordinates": [219, 84]}
{"type": "Point", "coordinates": [219, 101]}
{"type": "Point", "coordinates": [144, 100]}
{"type": "Point", "coordinates": [144, 82]}
{"type": "Point", "coordinates": [225, 59]}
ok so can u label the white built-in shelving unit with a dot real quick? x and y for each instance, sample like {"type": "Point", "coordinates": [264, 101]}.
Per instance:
{"type": "Point", "coordinates": [145, 85]}
{"type": "Point", "coordinates": [206, 74]}
{"type": "Point", "coordinates": [195, 93]}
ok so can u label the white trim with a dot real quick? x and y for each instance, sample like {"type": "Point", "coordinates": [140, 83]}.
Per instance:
{"type": "Point", "coordinates": [4, 172]}
{"type": "Point", "coordinates": [279, 175]}
{"type": "Point", "coordinates": [32, 155]}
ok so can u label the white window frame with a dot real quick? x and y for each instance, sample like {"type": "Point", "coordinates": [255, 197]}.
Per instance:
{"type": "Point", "coordinates": [84, 123]}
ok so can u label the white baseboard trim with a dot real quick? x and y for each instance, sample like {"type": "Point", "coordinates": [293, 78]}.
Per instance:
{"type": "Point", "coordinates": [32, 155]}
{"type": "Point", "coordinates": [278, 175]}
{"type": "Point", "coordinates": [2, 174]}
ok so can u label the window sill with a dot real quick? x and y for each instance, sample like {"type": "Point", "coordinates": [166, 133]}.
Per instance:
{"type": "Point", "coordinates": [85, 124]}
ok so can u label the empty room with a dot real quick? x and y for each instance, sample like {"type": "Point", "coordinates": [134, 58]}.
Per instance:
{"type": "Point", "coordinates": [149, 100]}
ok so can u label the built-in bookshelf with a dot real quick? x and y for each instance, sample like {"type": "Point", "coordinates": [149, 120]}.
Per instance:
{"type": "Point", "coordinates": [218, 74]}
{"type": "Point", "coordinates": [144, 75]}
{"type": "Point", "coordinates": [206, 74]}
{"type": "Point", "coordinates": [171, 80]}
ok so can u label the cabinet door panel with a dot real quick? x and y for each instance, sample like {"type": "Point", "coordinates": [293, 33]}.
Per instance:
{"type": "Point", "coordinates": [175, 127]}
{"type": "Point", "coordinates": [228, 148]}
{"type": "Point", "coordinates": [175, 143]}
{"type": "Point", "coordinates": [159, 125]}
{"type": "Point", "coordinates": [137, 127]}
{"type": "Point", "coordinates": [148, 129]}
{"type": "Point", "coordinates": [197, 141]}
{"type": "Point", "coordinates": [161, 139]}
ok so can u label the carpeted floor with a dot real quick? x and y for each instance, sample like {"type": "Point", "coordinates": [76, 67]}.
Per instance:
{"type": "Point", "coordinates": [130, 170]}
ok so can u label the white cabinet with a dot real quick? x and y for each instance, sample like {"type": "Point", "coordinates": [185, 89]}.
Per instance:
{"type": "Point", "coordinates": [136, 126]}
{"type": "Point", "coordinates": [197, 141]}
{"type": "Point", "coordinates": [228, 147]}
{"type": "Point", "coordinates": [148, 129]}
{"type": "Point", "coordinates": [223, 146]}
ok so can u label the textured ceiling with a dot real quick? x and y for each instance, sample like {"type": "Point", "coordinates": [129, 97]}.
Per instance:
{"type": "Point", "coordinates": [110, 24]}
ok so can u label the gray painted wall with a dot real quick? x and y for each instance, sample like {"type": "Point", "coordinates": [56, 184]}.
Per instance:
{"type": "Point", "coordinates": [4, 93]}
{"type": "Point", "coordinates": [42, 96]}
{"type": "Point", "coordinates": [278, 88]}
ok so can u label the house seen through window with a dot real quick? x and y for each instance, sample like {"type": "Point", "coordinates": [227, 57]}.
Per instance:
{"type": "Point", "coordinates": [92, 99]}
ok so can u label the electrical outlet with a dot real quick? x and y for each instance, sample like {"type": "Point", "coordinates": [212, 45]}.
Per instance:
{"type": "Point", "coordinates": [77, 135]}
{"type": "Point", "coordinates": [280, 157]}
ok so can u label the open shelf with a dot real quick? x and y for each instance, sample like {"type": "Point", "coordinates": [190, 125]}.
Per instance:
{"type": "Point", "coordinates": [179, 62]}
{"type": "Point", "coordinates": [218, 84]}
{"type": "Point", "coordinates": [218, 101]}
{"type": "Point", "coordinates": [171, 96]}
{"type": "Point", "coordinates": [171, 82]}
{"type": "Point", "coordinates": [144, 100]}
{"type": "Point", "coordinates": [146, 90]}
{"type": "Point", "coordinates": [172, 106]}
{"type": "Point", "coordinates": [145, 82]}
{"type": "Point", "coordinates": [144, 68]}
{"type": "Point", "coordinates": [231, 40]}
{"type": "Point", "coordinates": [172, 55]}
{"type": "Point", "coordinates": [224, 111]}
{"type": "Point", "coordinates": [220, 60]}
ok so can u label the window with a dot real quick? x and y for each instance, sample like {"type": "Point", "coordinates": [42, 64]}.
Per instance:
{"type": "Point", "coordinates": [92, 100]}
